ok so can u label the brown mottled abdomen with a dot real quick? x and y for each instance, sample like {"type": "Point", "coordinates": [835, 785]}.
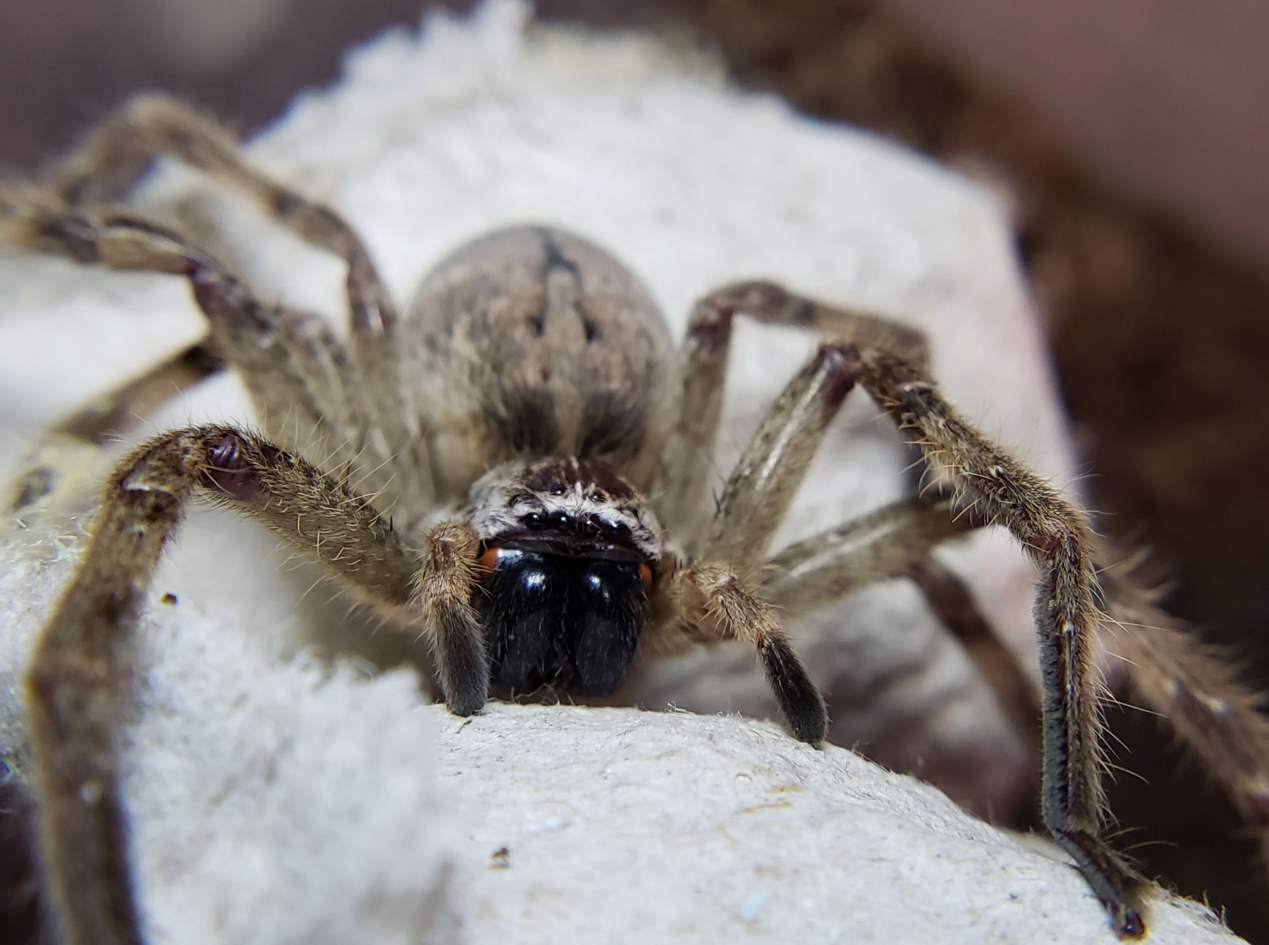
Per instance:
{"type": "Point", "coordinates": [534, 341]}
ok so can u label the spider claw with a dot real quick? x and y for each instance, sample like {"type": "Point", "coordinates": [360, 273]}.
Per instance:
{"type": "Point", "coordinates": [1129, 924]}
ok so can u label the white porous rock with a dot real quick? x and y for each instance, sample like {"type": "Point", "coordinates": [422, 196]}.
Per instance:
{"type": "Point", "coordinates": [274, 797]}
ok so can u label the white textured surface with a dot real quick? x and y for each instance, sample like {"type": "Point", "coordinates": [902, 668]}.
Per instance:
{"type": "Point", "coordinates": [275, 801]}
{"type": "Point", "coordinates": [643, 827]}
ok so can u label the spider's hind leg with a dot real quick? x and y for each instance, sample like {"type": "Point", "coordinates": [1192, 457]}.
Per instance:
{"type": "Point", "coordinates": [62, 471]}
{"type": "Point", "coordinates": [1195, 687]}
{"type": "Point", "coordinates": [114, 155]}
{"type": "Point", "coordinates": [292, 365]}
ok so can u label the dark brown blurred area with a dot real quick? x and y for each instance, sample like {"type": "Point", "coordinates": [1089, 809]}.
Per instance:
{"type": "Point", "coordinates": [1134, 136]}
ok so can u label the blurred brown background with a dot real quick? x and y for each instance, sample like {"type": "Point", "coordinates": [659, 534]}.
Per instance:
{"type": "Point", "coordinates": [1134, 135]}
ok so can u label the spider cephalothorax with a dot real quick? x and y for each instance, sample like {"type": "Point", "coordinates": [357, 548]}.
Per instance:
{"type": "Point", "coordinates": [532, 464]}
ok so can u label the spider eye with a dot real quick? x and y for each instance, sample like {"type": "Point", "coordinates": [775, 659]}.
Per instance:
{"type": "Point", "coordinates": [562, 520]}
{"type": "Point", "coordinates": [535, 520]}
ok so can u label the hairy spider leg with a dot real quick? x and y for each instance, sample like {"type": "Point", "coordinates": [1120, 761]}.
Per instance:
{"type": "Point", "coordinates": [1000, 489]}
{"type": "Point", "coordinates": [717, 588]}
{"type": "Point", "coordinates": [362, 384]}
{"type": "Point", "coordinates": [306, 392]}
{"type": "Point", "coordinates": [688, 454]}
{"type": "Point", "coordinates": [896, 541]}
{"type": "Point", "coordinates": [69, 451]}
{"type": "Point", "coordinates": [446, 584]}
{"type": "Point", "coordinates": [109, 161]}
{"type": "Point", "coordinates": [681, 490]}
{"type": "Point", "coordinates": [1192, 684]}
{"type": "Point", "coordinates": [77, 681]}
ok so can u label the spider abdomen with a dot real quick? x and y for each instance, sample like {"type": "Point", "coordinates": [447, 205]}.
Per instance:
{"type": "Point", "coordinates": [531, 341]}
{"type": "Point", "coordinates": [571, 622]}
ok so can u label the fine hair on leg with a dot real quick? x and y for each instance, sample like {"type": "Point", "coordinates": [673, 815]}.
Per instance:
{"type": "Point", "coordinates": [997, 488]}
{"type": "Point", "coordinates": [114, 155]}
{"type": "Point", "coordinates": [77, 684]}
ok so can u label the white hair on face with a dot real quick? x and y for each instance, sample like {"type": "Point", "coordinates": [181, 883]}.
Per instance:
{"type": "Point", "coordinates": [503, 499]}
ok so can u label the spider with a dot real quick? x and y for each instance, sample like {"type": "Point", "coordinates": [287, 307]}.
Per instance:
{"type": "Point", "coordinates": [544, 455]}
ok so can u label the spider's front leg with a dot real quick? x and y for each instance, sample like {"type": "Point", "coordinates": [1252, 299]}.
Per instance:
{"type": "Point", "coordinates": [1056, 534]}
{"type": "Point", "coordinates": [1058, 538]}
{"type": "Point", "coordinates": [77, 680]}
